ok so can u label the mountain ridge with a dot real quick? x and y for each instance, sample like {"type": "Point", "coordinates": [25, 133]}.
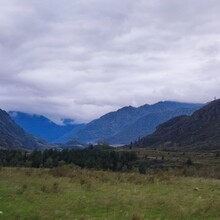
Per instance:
{"type": "Point", "coordinates": [112, 124]}
{"type": "Point", "coordinates": [42, 127]}
{"type": "Point", "coordinates": [200, 130]}
{"type": "Point", "coordinates": [12, 136]}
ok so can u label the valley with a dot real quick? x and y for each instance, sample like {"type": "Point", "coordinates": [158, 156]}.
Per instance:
{"type": "Point", "coordinates": [109, 110]}
{"type": "Point", "coordinates": [173, 173]}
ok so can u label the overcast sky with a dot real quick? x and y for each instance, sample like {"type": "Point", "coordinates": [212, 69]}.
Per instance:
{"type": "Point", "coordinates": [82, 58]}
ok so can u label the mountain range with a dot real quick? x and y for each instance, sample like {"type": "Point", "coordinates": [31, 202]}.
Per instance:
{"type": "Point", "coordinates": [123, 126]}
{"type": "Point", "coordinates": [201, 130]}
{"type": "Point", "coordinates": [164, 124]}
{"type": "Point", "coordinates": [12, 136]}
{"type": "Point", "coordinates": [44, 128]}
{"type": "Point", "coordinates": [130, 123]}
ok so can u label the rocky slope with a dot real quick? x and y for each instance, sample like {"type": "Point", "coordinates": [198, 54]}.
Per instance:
{"type": "Point", "coordinates": [44, 128]}
{"type": "Point", "coordinates": [130, 123]}
{"type": "Point", "coordinates": [12, 136]}
{"type": "Point", "coordinates": [201, 130]}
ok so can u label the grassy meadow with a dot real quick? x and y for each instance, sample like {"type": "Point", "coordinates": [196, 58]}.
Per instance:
{"type": "Point", "coordinates": [74, 193]}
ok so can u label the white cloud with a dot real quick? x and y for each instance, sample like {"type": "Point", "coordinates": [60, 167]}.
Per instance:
{"type": "Point", "coordinates": [83, 58]}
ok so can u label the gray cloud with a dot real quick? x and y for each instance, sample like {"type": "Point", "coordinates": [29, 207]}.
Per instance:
{"type": "Point", "coordinates": [83, 58]}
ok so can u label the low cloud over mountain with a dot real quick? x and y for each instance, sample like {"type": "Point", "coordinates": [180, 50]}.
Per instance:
{"type": "Point", "coordinates": [80, 59]}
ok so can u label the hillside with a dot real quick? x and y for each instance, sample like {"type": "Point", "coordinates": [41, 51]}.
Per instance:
{"type": "Point", "coordinates": [13, 137]}
{"type": "Point", "coordinates": [146, 125]}
{"type": "Point", "coordinates": [130, 123]}
{"type": "Point", "coordinates": [201, 130]}
{"type": "Point", "coordinates": [44, 128]}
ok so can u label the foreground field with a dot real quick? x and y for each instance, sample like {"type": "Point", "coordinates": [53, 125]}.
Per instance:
{"type": "Point", "coordinates": [72, 193]}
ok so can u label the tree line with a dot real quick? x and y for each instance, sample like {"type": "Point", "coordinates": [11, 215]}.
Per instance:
{"type": "Point", "coordinates": [85, 158]}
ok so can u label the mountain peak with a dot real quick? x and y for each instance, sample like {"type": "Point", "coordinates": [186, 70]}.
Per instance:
{"type": "Point", "coordinates": [211, 111]}
{"type": "Point", "coordinates": [126, 108]}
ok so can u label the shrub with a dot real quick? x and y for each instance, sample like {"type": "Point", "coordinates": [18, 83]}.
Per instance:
{"type": "Point", "coordinates": [189, 162]}
{"type": "Point", "coordinates": [142, 168]}
{"type": "Point", "coordinates": [136, 216]}
{"type": "Point", "coordinates": [55, 187]}
{"type": "Point", "coordinates": [22, 189]}
{"type": "Point", "coordinates": [43, 189]}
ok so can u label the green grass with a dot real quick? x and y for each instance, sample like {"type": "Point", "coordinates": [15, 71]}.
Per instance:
{"type": "Point", "coordinates": [72, 193]}
{"type": "Point", "coordinates": [205, 164]}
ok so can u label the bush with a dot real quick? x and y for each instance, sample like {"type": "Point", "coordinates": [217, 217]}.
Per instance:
{"type": "Point", "coordinates": [55, 187]}
{"type": "Point", "coordinates": [142, 168]}
{"type": "Point", "coordinates": [189, 162]}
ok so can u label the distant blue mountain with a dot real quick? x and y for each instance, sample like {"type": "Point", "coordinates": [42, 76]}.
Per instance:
{"type": "Point", "coordinates": [12, 136]}
{"type": "Point", "coordinates": [44, 128]}
{"type": "Point", "coordinates": [130, 123]}
{"type": "Point", "coordinates": [126, 125]}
